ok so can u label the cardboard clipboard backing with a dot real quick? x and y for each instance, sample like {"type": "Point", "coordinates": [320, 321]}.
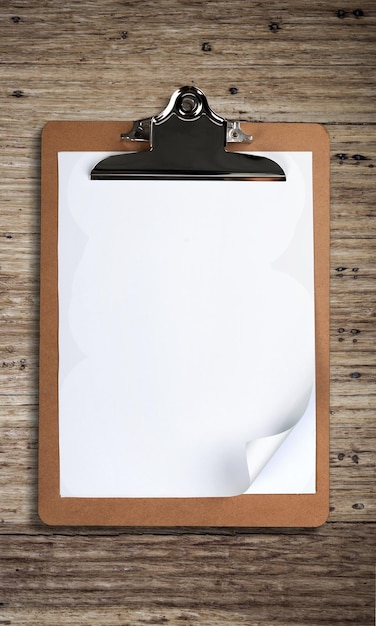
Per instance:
{"type": "Point", "coordinates": [243, 510]}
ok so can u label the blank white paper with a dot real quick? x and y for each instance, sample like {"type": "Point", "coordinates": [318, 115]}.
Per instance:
{"type": "Point", "coordinates": [186, 334]}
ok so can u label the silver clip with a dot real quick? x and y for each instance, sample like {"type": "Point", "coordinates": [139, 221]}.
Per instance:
{"type": "Point", "coordinates": [181, 149]}
{"type": "Point", "coordinates": [140, 131]}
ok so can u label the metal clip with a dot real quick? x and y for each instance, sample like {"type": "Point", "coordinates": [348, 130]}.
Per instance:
{"type": "Point", "coordinates": [187, 141]}
{"type": "Point", "coordinates": [141, 131]}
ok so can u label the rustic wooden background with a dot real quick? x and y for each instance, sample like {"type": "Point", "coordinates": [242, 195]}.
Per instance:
{"type": "Point", "coordinates": [116, 59]}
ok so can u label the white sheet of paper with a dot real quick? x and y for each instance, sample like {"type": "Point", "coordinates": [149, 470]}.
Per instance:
{"type": "Point", "coordinates": [186, 334]}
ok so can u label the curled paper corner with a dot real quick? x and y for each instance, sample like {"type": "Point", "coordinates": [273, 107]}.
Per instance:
{"type": "Point", "coordinates": [260, 451]}
{"type": "Point", "coordinates": [287, 458]}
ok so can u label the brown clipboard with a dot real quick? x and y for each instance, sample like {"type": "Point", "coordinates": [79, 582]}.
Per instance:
{"type": "Point", "coordinates": [304, 510]}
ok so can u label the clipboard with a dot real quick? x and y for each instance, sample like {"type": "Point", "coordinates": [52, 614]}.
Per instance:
{"type": "Point", "coordinates": [174, 160]}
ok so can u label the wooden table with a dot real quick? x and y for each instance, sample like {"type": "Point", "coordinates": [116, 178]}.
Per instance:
{"type": "Point", "coordinates": [114, 59]}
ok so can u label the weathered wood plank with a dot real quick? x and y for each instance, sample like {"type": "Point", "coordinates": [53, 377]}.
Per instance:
{"type": "Point", "coordinates": [126, 616]}
{"type": "Point", "coordinates": [246, 576]}
{"type": "Point", "coordinates": [284, 98]}
{"type": "Point", "coordinates": [261, 51]}
{"type": "Point", "coordinates": [111, 30]}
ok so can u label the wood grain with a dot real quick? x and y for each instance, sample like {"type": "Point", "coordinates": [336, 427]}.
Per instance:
{"type": "Point", "coordinates": [144, 576]}
{"type": "Point", "coordinates": [118, 59]}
